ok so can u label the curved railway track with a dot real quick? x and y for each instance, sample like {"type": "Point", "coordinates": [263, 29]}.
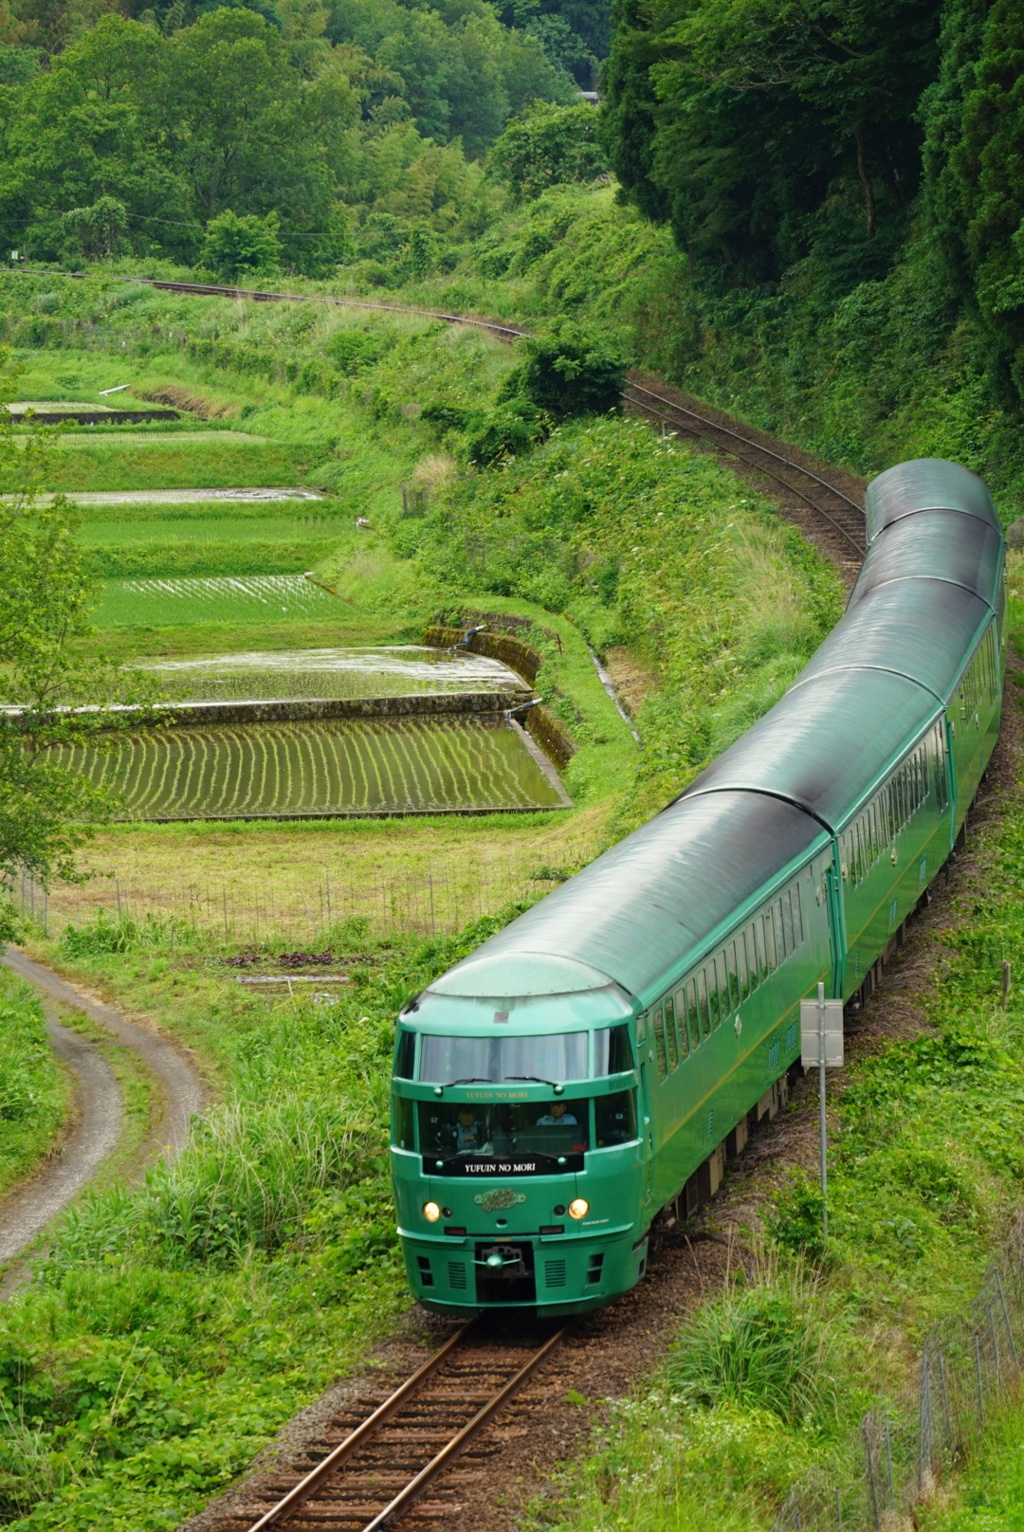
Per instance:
{"type": "Point", "coordinates": [374, 1462]}
{"type": "Point", "coordinates": [840, 518]}
{"type": "Point", "coordinates": [842, 513]}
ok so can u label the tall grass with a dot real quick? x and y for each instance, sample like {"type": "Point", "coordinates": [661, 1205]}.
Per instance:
{"type": "Point", "coordinates": [34, 1093]}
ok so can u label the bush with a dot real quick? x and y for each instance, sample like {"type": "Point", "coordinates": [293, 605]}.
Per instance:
{"type": "Point", "coordinates": [779, 1345]}
{"type": "Point", "coordinates": [570, 372]}
{"type": "Point", "coordinates": [234, 247]}
{"type": "Point", "coordinates": [508, 432]}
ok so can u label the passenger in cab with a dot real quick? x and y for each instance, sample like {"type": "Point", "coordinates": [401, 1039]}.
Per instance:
{"type": "Point", "coordinates": [558, 1116]}
{"type": "Point", "coordinates": [468, 1132]}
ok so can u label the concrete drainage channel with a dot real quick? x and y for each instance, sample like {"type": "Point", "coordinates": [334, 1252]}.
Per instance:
{"type": "Point", "coordinates": [28, 1210]}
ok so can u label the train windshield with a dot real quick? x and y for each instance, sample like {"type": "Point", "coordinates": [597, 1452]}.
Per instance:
{"type": "Point", "coordinates": [536, 1127]}
{"type": "Point", "coordinates": [568, 1125]}
{"type": "Point", "coordinates": [554, 1056]}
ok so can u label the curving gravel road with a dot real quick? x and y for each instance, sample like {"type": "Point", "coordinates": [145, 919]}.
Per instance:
{"type": "Point", "coordinates": [27, 1211]}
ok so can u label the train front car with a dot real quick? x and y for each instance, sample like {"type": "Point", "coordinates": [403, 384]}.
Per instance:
{"type": "Point", "coordinates": [517, 1162]}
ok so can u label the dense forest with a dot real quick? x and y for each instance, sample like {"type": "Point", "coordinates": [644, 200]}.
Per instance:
{"type": "Point", "coordinates": [131, 128]}
{"type": "Point", "coordinates": [843, 178]}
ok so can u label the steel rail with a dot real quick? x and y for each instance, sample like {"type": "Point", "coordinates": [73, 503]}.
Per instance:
{"type": "Point", "coordinates": [209, 290]}
{"type": "Point", "coordinates": [758, 467]}
{"type": "Point", "coordinates": [365, 1431]}
{"type": "Point", "coordinates": [344, 1450]}
{"type": "Point", "coordinates": [509, 333]}
{"type": "Point", "coordinates": [748, 441]}
{"type": "Point", "coordinates": [407, 1495]}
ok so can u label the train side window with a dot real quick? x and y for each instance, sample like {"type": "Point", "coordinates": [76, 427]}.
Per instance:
{"type": "Point", "coordinates": [659, 1042]}
{"type": "Point", "coordinates": [716, 998]}
{"type": "Point", "coordinates": [682, 1030]}
{"type": "Point", "coordinates": [768, 930]}
{"type": "Point", "coordinates": [405, 1054]}
{"type": "Point", "coordinates": [613, 1052]}
{"type": "Point", "coordinates": [615, 1119]}
{"type": "Point", "coordinates": [779, 927]}
{"type": "Point", "coordinates": [404, 1115]}
{"type": "Point", "coordinates": [798, 916]}
{"type": "Point", "coordinates": [732, 978]}
{"type": "Point", "coordinates": [757, 938]}
{"type": "Point", "coordinates": [748, 980]}
{"type": "Point", "coordinates": [693, 1014]}
{"type": "Point", "coordinates": [671, 1047]}
{"type": "Point", "coordinates": [701, 980]}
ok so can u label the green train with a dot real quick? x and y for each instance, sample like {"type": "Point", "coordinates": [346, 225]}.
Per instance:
{"type": "Point", "coordinates": [596, 1063]}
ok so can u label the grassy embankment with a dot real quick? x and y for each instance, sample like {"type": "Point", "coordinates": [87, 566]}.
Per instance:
{"type": "Point", "coordinates": [34, 1090]}
{"type": "Point", "coordinates": [176, 1326]}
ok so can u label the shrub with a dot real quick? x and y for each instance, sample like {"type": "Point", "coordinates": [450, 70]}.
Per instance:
{"type": "Point", "coordinates": [234, 247]}
{"type": "Point", "coordinates": [569, 372]}
{"type": "Point", "coordinates": [547, 146]}
{"type": "Point", "coordinates": [778, 1345]}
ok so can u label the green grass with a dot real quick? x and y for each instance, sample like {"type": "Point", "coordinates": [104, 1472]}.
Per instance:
{"type": "Point", "coordinates": [988, 1496]}
{"type": "Point", "coordinates": [34, 1091]}
{"type": "Point", "coordinates": [190, 465]}
{"type": "Point", "coordinates": [174, 1328]}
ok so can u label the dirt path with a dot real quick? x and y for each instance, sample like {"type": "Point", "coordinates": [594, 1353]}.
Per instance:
{"type": "Point", "coordinates": [99, 1112]}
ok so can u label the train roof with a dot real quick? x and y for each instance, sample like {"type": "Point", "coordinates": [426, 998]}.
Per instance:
{"type": "Point", "coordinates": [661, 893]}
{"type": "Point", "coordinates": [921, 629]}
{"type": "Point", "coordinates": [815, 747]}
{"type": "Point", "coordinates": [648, 907]}
{"type": "Point", "coordinates": [934, 547]}
{"type": "Point", "coordinates": [926, 484]}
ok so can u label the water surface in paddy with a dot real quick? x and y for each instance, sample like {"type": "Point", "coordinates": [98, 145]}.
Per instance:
{"type": "Point", "coordinates": [266, 675]}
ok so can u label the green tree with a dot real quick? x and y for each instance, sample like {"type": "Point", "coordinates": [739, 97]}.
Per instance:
{"type": "Point", "coordinates": [50, 691]}
{"type": "Point", "coordinates": [751, 115]}
{"type": "Point", "coordinates": [984, 184]}
{"type": "Point", "coordinates": [97, 231]}
{"type": "Point", "coordinates": [548, 146]}
{"type": "Point", "coordinates": [236, 247]}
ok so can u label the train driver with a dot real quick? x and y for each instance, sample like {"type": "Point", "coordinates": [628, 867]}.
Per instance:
{"type": "Point", "coordinates": [557, 1116]}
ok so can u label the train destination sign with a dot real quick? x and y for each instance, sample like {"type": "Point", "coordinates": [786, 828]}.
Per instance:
{"type": "Point", "coordinates": [504, 1165]}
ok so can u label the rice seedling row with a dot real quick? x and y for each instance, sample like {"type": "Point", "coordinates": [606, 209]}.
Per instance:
{"type": "Point", "coordinates": [333, 766]}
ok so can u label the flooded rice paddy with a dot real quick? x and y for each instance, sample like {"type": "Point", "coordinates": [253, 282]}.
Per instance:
{"type": "Point", "coordinates": [264, 676]}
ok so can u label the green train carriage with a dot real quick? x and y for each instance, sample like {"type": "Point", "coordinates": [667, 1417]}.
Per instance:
{"type": "Point", "coordinates": [597, 1060]}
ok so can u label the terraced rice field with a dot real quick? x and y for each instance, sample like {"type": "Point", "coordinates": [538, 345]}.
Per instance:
{"type": "Point", "coordinates": [321, 768]}
{"type": "Point", "coordinates": [401, 671]}
{"type": "Point", "coordinates": [155, 603]}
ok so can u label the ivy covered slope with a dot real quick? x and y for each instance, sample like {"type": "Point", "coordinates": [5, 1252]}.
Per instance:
{"type": "Point", "coordinates": [842, 183]}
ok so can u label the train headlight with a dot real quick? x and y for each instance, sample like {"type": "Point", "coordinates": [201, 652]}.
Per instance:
{"type": "Point", "coordinates": [431, 1212]}
{"type": "Point", "coordinates": [579, 1207]}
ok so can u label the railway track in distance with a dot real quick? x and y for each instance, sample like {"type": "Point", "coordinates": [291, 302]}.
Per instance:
{"type": "Point", "coordinates": [833, 518]}
{"type": "Point", "coordinates": [376, 1463]}
{"type": "Point", "coordinates": [838, 519]}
